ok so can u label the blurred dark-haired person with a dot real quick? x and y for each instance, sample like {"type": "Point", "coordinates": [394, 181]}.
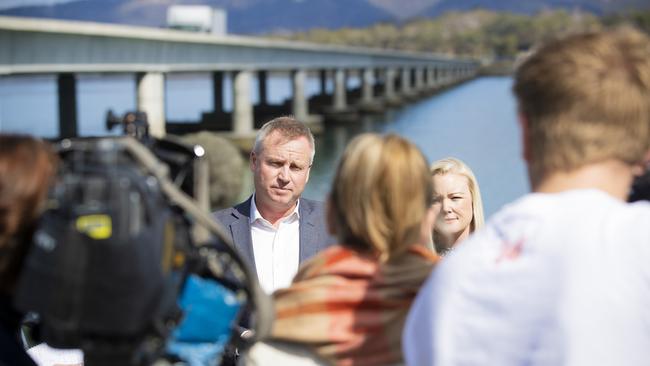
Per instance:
{"type": "Point", "coordinates": [27, 167]}
{"type": "Point", "coordinates": [347, 305]}
{"type": "Point", "coordinates": [560, 276]}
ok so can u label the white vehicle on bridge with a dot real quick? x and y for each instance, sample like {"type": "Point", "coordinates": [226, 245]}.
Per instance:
{"type": "Point", "coordinates": [197, 18]}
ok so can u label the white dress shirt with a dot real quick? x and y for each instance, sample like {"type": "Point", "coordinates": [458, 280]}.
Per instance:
{"type": "Point", "coordinates": [276, 251]}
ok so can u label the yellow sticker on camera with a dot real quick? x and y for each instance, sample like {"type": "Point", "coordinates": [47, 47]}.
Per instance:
{"type": "Point", "coordinates": [97, 227]}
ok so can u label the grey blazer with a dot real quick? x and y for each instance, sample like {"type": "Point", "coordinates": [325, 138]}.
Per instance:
{"type": "Point", "coordinates": [313, 235]}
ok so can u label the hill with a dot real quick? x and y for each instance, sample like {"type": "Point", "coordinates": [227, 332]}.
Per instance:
{"type": "Point", "coordinates": [244, 16]}
{"type": "Point", "coordinates": [477, 33]}
{"type": "Point", "coordinates": [285, 16]}
{"type": "Point", "coordinates": [529, 7]}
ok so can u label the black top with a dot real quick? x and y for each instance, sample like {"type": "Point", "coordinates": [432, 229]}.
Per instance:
{"type": "Point", "coordinates": [12, 352]}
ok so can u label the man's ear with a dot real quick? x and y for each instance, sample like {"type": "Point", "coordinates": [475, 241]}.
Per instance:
{"type": "Point", "coordinates": [646, 159]}
{"type": "Point", "coordinates": [643, 166]}
{"type": "Point", "coordinates": [525, 136]}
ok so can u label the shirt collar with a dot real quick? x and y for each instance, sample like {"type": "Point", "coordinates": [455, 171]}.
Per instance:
{"type": "Point", "coordinates": [256, 215]}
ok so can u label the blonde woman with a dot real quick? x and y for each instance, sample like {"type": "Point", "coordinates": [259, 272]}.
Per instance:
{"type": "Point", "coordinates": [348, 304]}
{"type": "Point", "coordinates": [457, 202]}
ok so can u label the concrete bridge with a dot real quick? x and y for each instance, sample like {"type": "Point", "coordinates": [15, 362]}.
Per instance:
{"type": "Point", "coordinates": [66, 48]}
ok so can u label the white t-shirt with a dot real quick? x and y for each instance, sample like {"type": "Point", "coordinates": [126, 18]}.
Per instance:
{"type": "Point", "coordinates": [553, 279]}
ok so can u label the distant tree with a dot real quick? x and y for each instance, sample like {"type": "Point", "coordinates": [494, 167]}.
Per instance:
{"type": "Point", "coordinates": [478, 33]}
{"type": "Point", "coordinates": [638, 18]}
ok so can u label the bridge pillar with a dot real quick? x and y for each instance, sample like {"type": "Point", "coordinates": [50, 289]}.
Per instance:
{"type": "Point", "coordinates": [262, 77]}
{"type": "Point", "coordinates": [299, 104]}
{"type": "Point", "coordinates": [367, 80]}
{"type": "Point", "coordinates": [322, 76]}
{"type": "Point", "coordinates": [242, 109]}
{"type": "Point", "coordinates": [389, 83]}
{"type": "Point", "coordinates": [431, 77]}
{"type": "Point", "coordinates": [443, 75]}
{"type": "Point", "coordinates": [406, 81]}
{"type": "Point", "coordinates": [419, 79]}
{"type": "Point", "coordinates": [67, 90]}
{"type": "Point", "coordinates": [217, 91]}
{"type": "Point", "coordinates": [151, 100]}
{"type": "Point", "coordinates": [340, 89]}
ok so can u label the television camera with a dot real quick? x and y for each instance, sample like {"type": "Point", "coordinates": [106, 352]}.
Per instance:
{"type": "Point", "coordinates": [126, 266]}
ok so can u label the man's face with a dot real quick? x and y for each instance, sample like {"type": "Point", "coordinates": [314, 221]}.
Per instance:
{"type": "Point", "coordinates": [280, 171]}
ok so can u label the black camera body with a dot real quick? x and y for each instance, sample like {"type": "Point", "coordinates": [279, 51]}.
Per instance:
{"type": "Point", "coordinates": [101, 272]}
{"type": "Point", "coordinates": [126, 265]}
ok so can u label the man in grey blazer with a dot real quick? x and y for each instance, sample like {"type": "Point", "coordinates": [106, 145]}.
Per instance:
{"type": "Point", "coordinates": [275, 230]}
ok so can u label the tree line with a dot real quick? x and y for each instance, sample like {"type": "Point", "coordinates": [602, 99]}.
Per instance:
{"type": "Point", "coordinates": [479, 33]}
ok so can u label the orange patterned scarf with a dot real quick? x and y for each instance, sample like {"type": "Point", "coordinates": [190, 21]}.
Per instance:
{"type": "Point", "coordinates": [348, 307]}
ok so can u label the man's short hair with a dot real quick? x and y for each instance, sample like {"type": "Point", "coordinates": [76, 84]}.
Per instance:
{"type": "Point", "coordinates": [289, 128]}
{"type": "Point", "coordinates": [586, 99]}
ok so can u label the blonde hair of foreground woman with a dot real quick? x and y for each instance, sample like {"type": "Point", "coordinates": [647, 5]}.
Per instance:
{"type": "Point", "coordinates": [381, 194]}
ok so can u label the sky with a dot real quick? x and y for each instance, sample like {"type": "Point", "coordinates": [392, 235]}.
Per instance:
{"type": "Point", "coordinates": [5, 4]}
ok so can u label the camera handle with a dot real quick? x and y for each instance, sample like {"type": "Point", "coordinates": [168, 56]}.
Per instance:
{"type": "Point", "coordinates": [260, 300]}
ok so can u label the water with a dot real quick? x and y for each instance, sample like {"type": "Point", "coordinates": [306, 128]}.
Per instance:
{"type": "Point", "coordinates": [28, 103]}
{"type": "Point", "coordinates": [475, 122]}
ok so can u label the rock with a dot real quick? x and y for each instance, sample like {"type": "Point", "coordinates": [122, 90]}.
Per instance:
{"type": "Point", "coordinates": [226, 168]}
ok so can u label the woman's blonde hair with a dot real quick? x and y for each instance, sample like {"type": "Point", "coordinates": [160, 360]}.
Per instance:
{"type": "Point", "coordinates": [380, 195]}
{"type": "Point", "coordinates": [456, 166]}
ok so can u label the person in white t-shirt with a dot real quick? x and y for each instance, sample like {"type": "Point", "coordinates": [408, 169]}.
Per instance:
{"type": "Point", "coordinates": [562, 275]}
